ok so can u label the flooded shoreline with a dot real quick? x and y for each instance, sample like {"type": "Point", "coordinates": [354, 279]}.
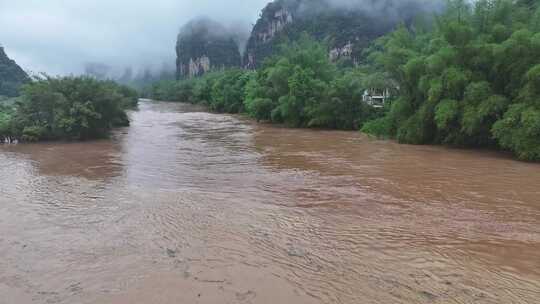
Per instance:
{"type": "Point", "coordinates": [189, 206]}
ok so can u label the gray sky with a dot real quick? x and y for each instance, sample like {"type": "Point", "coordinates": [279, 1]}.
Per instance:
{"type": "Point", "coordinates": [60, 36]}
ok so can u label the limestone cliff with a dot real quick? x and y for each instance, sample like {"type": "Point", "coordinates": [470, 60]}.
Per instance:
{"type": "Point", "coordinates": [347, 27]}
{"type": "Point", "coordinates": [204, 45]}
{"type": "Point", "coordinates": [275, 17]}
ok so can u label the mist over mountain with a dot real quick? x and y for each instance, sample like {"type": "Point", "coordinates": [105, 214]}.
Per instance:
{"type": "Point", "coordinates": [203, 45]}
{"type": "Point", "coordinates": [143, 36]}
{"type": "Point", "coordinates": [392, 9]}
{"type": "Point", "coordinates": [61, 37]}
{"type": "Point", "coordinates": [348, 26]}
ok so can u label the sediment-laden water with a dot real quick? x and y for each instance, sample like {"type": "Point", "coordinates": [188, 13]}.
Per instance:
{"type": "Point", "coordinates": [186, 206]}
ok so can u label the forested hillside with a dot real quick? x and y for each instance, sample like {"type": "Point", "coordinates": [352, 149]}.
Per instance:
{"type": "Point", "coordinates": [347, 27]}
{"type": "Point", "coordinates": [11, 76]}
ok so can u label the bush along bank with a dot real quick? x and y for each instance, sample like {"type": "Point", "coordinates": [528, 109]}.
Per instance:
{"type": "Point", "coordinates": [66, 108]}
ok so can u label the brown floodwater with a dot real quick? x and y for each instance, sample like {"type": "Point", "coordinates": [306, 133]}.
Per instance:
{"type": "Point", "coordinates": [187, 206]}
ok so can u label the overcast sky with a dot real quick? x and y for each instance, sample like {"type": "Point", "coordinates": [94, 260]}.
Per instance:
{"type": "Point", "coordinates": [60, 36]}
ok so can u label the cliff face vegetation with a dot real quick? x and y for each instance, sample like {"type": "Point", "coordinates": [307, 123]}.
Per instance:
{"type": "Point", "coordinates": [347, 26]}
{"type": "Point", "coordinates": [204, 45]}
{"type": "Point", "coordinates": [11, 76]}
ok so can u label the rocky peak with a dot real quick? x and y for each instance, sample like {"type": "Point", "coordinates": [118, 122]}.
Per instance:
{"type": "Point", "coordinates": [204, 45]}
{"type": "Point", "coordinates": [347, 27]}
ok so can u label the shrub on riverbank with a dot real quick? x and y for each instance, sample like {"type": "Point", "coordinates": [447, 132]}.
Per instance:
{"type": "Point", "coordinates": [67, 108]}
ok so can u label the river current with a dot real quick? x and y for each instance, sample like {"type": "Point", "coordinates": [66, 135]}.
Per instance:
{"type": "Point", "coordinates": [186, 206]}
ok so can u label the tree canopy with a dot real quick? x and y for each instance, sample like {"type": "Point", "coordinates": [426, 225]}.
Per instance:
{"type": "Point", "coordinates": [69, 108]}
{"type": "Point", "coordinates": [471, 80]}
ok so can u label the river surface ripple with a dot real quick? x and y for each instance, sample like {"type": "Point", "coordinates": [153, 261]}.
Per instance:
{"type": "Point", "coordinates": [187, 206]}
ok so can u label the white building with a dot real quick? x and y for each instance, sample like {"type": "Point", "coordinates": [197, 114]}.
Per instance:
{"type": "Point", "coordinates": [376, 97]}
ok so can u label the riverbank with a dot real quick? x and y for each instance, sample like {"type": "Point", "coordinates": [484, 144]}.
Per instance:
{"type": "Point", "coordinates": [247, 118]}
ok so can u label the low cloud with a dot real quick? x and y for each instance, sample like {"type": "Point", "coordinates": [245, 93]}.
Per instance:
{"type": "Point", "coordinates": [390, 10]}
{"type": "Point", "coordinates": [62, 37]}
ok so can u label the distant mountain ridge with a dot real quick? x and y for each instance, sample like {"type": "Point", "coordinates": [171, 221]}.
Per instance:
{"type": "Point", "coordinates": [12, 76]}
{"type": "Point", "coordinates": [347, 26]}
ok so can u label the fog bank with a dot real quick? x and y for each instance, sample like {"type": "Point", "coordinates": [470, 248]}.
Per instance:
{"type": "Point", "coordinates": [64, 37]}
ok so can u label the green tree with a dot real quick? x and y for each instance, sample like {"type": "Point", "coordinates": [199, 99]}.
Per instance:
{"type": "Point", "coordinates": [74, 108]}
{"type": "Point", "coordinates": [468, 81]}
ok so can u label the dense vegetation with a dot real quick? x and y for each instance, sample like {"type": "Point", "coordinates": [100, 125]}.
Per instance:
{"type": "Point", "coordinates": [472, 80]}
{"type": "Point", "coordinates": [299, 87]}
{"type": "Point", "coordinates": [68, 108]}
{"type": "Point", "coordinates": [12, 77]}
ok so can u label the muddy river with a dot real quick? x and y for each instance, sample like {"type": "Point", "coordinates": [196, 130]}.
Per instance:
{"type": "Point", "coordinates": [186, 206]}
